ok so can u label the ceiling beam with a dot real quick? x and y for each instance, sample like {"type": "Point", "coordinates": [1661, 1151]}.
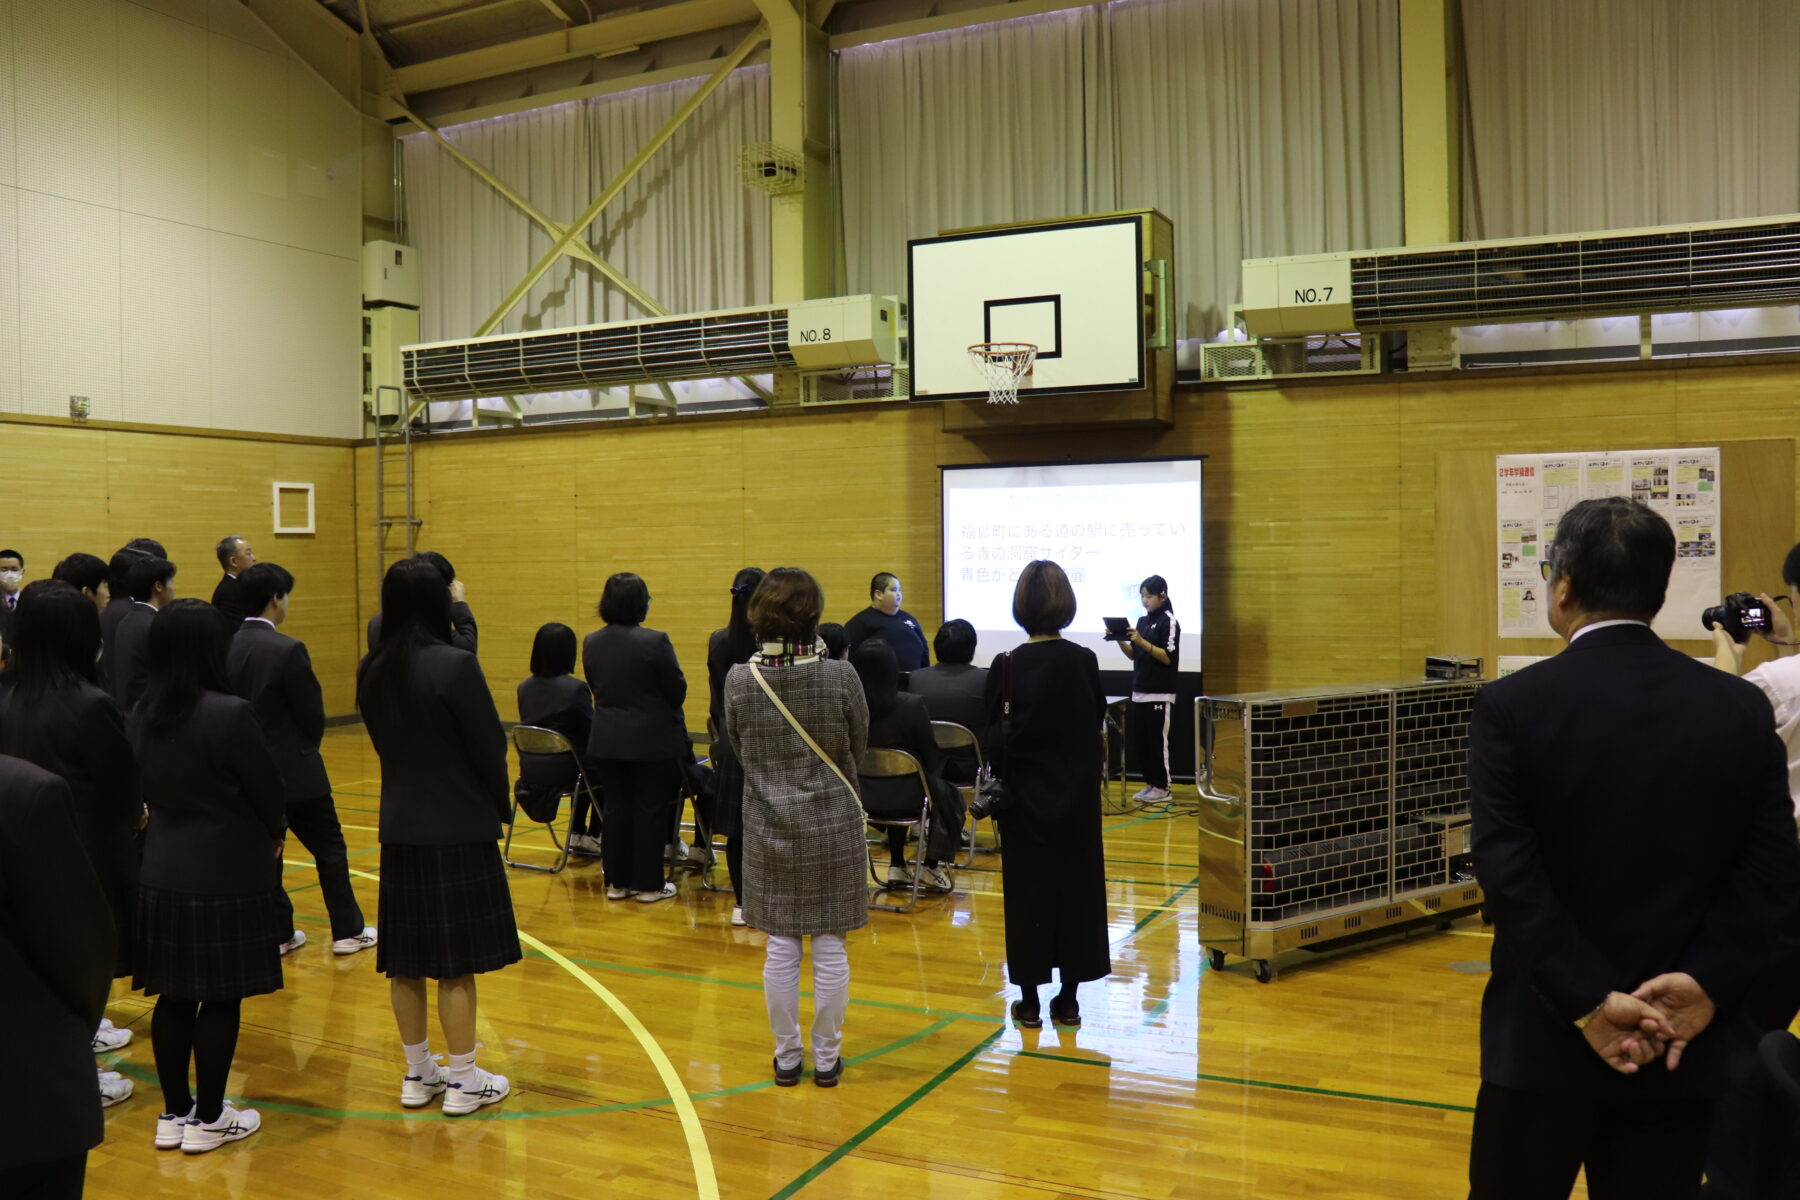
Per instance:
{"type": "Point", "coordinates": [564, 11]}
{"type": "Point", "coordinates": [605, 36]}
{"type": "Point", "coordinates": [408, 24]}
{"type": "Point", "coordinates": [956, 20]}
{"type": "Point", "coordinates": [322, 41]}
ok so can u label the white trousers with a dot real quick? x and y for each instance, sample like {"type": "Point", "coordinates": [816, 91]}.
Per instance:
{"type": "Point", "coordinates": [831, 996]}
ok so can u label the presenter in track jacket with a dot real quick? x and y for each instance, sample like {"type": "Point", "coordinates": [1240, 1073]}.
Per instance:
{"type": "Point", "coordinates": [1154, 649]}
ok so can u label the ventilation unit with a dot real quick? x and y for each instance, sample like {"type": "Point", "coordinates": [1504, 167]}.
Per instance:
{"type": "Point", "coordinates": [1672, 268]}
{"type": "Point", "coordinates": [804, 336]}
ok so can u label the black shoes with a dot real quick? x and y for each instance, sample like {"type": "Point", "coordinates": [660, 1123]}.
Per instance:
{"type": "Point", "coordinates": [830, 1078]}
{"type": "Point", "coordinates": [1066, 1015]}
{"type": "Point", "coordinates": [788, 1076]}
{"type": "Point", "coordinates": [1026, 1018]}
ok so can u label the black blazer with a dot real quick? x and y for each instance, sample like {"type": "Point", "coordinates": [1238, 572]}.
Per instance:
{"type": "Point", "coordinates": [638, 693]}
{"type": "Point", "coordinates": [955, 692]}
{"type": "Point", "coordinates": [225, 599]}
{"type": "Point", "coordinates": [443, 753]}
{"type": "Point", "coordinates": [77, 733]}
{"type": "Point", "coordinates": [906, 726]}
{"type": "Point", "coordinates": [215, 802]}
{"type": "Point", "coordinates": [129, 672]}
{"type": "Point", "coordinates": [275, 674]}
{"type": "Point", "coordinates": [463, 634]}
{"type": "Point", "coordinates": [1631, 817]}
{"type": "Point", "coordinates": [56, 957]}
{"type": "Point", "coordinates": [7, 616]}
{"type": "Point", "coordinates": [559, 702]}
{"type": "Point", "coordinates": [110, 616]}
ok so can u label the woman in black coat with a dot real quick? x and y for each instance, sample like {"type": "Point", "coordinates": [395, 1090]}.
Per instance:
{"type": "Point", "coordinates": [1048, 752]}
{"type": "Point", "coordinates": [552, 698]}
{"type": "Point", "coordinates": [210, 918]}
{"type": "Point", "coordinates": [639, 739]}
{"type": "Point", "coordinates": [898, 721]}
{"type": "Point", "coordinates": [445, 910]}
{"type": "Point", "coordinates": [725, 649]}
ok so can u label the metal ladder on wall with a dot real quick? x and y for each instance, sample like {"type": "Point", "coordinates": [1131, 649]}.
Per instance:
{"type": "Point", "coordinates": [393, 500]}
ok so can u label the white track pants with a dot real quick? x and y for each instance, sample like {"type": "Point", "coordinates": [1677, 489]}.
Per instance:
{"type": "Point", "coordinates": [831, 996]}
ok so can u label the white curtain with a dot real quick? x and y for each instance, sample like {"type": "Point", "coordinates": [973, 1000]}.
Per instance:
{"type": "Point", "coordinates": [684, 230]}
{"type": "Point", "coordinates": [1606, 114]}
{"type": "Point", "coordinates": [1259, 127]}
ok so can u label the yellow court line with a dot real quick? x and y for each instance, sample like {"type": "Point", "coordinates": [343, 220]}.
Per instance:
{"type": "Point", "coordinates": [706, 1182]}
{"type": "Point", "coordinates": [1469, 933]}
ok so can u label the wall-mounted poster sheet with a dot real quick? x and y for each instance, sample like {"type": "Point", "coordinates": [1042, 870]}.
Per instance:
{"type": "Point", "coordinates": [1533, 491]}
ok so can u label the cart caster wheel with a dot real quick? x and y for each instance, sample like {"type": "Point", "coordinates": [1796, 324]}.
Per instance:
{"type": "Point", "coordinates": [1265, 970]}
{"type": "Point", "coordinates": [1445, 926]}
{"type": "Point", "coordinates": [1216, 958]}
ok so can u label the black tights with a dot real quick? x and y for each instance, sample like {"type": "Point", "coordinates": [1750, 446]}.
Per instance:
{"type": "Point", "coordinates": [181, 1030]}
{"type": "Point", "coordinates": [1028, 995]}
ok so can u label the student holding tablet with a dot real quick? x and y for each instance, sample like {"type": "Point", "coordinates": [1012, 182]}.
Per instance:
{"type": "Point", "coordinates": [1154, 648]}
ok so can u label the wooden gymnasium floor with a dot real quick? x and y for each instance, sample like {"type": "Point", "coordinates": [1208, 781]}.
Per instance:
{"type": "Point", "coordinates": [1347, 1077]}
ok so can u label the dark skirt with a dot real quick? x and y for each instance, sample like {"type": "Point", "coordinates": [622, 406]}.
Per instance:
{"type": "Point", "coordinates": [725, 815]}
{"type": "Point", "coordinates": [1054, 885]}
{"type": "Point", "coordinates": [204, 948]}
{"type": "Point", "coordinates": [444, 912]}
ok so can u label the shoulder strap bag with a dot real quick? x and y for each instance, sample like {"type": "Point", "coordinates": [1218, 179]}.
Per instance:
{"type": "Point", "coordinates": [806, 737]}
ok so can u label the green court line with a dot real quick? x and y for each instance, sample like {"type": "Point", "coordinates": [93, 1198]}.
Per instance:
{"type": "Point", "coordinates": [150, 1079]}
{"type": "Point", "coordinates": [1166, 906]}
{"type": "Point", "coordinates": [1407, 1101]}
{"type": "Point", "coordinates": [1066, 1058]}
{"type": "Point", "coordinates": [1139, 821]}
{"type": "Point", "coordinates": [879, 1123]}
{"type": "Point", "coordinates": [1109, 878]}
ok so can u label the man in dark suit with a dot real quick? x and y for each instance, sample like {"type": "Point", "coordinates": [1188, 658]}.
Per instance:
{"type": "Point", "coordinates": [151, 585]}
{"type": "Point", "coordinates": [57, 947]}
{"type": "Point", "coordinates": [463, 634]}
{"type": "Point", "coordinates": [235, 557]}
{"type": "Point", "coordinates": [12, 581]}
{"type": "Point", "coordinates": [955, 690]}
{"type": "Point", "coordinates": [1635, 839]}
{"type": "Point", "coordinates": [118, 581]}
{"type": "Point", "coordinates": [274, 672]}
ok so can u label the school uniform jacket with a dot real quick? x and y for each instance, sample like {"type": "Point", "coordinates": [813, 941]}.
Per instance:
{"type": "Point", "coordinates": [275, 674]}
{"type": "Point", "coordinates": [638, 693]}
{"type": "Point", "coordinates": [130, 673]}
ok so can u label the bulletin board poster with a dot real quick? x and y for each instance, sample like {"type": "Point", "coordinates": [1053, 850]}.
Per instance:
{"type": "Point", "coordinates": [1533, 491]}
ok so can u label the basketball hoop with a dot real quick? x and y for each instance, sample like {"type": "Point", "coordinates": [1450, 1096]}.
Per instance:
{"type": "Point", "coordinates": [1003, 365]}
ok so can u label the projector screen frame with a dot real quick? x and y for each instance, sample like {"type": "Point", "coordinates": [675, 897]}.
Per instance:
{"type": "Point", "coordinates": [1200, 458]}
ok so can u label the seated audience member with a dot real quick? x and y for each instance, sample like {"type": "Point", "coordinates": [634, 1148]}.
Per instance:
{"type": "Point", "coordinates": [898, 721]}
{"type": "Point", "coordinates": [832, 635]}
{"type": "Point", "coordinates": [56, 961]}
{"type": "Point", "coordinates": [87, 574]}
{"type": "Point", "coordinates": [955, 690]}
{"type": "Point", "coordinates": [275, 674]}
{"type": "Point", "coordinates": [886, 620]}
{"type": "Point", "coordinates": [151, 585]}
{"type": "Point", "coordinates": [552, 698]}
{"type": "Point", "coordinates": [463, 634]}
{"type": "Point", "coordinates": [235, 557]}
{"type": "Point", "coordinates": [12, 578]}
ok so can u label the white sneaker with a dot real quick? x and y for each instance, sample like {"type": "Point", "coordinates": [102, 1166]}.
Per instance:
{"type": "Point", "coordinates": [110, 1037]}
{"type": "Point", "coordinates": [169, 1128]}
{"type": "Point", "coordinates": [416, 1091]}
{"type": "Point", "coordinates": [585, 844]}
{"type": "Point", "coordinates": [737, 917]}
{"type": "Point", "coordinates": [1150, 795]}
{"type": "Point", "coordinates": [667, 892]}
{"type": "Point", "coordinates": [114, 1087]}
{"type": "Point", "coordinates": [232, 1126]}
{"type": "Point", "coordinates": [900, 876]}
{"type": "Point", "coordinates": [613, 893]}
{"type": "Point", "coordinates": [485, 1088]}
{"type": "Point", "coordinates": [935, 879]}
{"type": "Point", "coordinates": [1143, 793]}
{"type": "Point", "coordinates": [351, 945]}
{"type": "Point", "coordinates": [287, 947]}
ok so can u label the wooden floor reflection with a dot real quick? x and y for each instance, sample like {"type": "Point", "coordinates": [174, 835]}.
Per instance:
{"type": "Point", "coordinates": [1348, 1077]}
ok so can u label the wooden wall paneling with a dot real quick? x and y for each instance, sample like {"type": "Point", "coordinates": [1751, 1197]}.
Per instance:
{"type": "Point", "coordinates": [56, 495]}
{"type": "Point", "coordinates": [324, 609]}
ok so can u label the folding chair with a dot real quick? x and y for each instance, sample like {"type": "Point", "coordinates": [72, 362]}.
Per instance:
{"type": "Point", "coordinates": [545, 745]}
{"type": "Point", "coordinates": [698, 858]}
{"type": "Point", "coordinates": [896, 764]}
{"type": "Point", "coordinates": [951, 736]}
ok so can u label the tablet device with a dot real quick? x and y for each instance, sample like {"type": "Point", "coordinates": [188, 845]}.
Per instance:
{"type": "Point", "coordinates": [1117, 628]}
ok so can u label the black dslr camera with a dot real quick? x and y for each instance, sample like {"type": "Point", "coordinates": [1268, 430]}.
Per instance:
{"type": "Point", "coordinates": [1741, 615]}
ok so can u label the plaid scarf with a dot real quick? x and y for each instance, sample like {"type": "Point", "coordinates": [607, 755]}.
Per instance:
{"type": "Point", "coordinates": [788, 654]}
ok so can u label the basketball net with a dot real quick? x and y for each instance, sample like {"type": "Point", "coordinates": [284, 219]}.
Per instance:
{"type": "Point", "coordinates": [1003, 365]}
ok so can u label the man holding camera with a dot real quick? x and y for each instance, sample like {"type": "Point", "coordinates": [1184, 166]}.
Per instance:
{"type": "Point", "coordinates": [1632, 833]}
{"type": "Point", "coordinates": [1732, 625]}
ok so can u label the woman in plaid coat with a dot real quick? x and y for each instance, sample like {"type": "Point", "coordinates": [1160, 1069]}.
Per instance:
{"type": "Point", "coordinates": [804, 856]}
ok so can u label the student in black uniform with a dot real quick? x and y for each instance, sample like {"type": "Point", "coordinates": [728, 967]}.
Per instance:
{"type": "Point", "coordinates": [639, 738]}
{"type": "Point", "coordinates": [118, 587]}
{"type": "Point", "coordinates": [54, 715]}
{"type": "Point", "coordinates": [956, 691]}
{"type": "Point", "coordinates": [151, 585]}
{"type": "Point", "coordinates": [444, 907]}
{"type": "Point", "coordinates": [275, 673]}
{"type": "Point", "coordinates": [86, 573]}
{"type": "Point", "coordinates": [209, 896]}
{"type": "Point", "coordinates": [725, 649]}
{"type": "Point", "coordinates": [463, 634]}
{"type": "Point", "coordinates": [552, 698]}
{"type": "Point", "coordinates": [56, 956]}
{"type": "Point", "coordinates": [1154, 649]}
{"type": "Point", "coordinates": [832, 635]}
{"type": "Point", "coordinates": [898, 721]}
{"type": "Point", "coordinates": [885, 619]}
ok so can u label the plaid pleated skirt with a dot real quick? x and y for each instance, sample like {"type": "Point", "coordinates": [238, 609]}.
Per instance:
{"type": "Point", "coordinates": [204, 948]}
{"type": "Point", "coordinates": [445, 911]}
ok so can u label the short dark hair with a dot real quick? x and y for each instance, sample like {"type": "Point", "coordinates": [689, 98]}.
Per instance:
{"type": "Point", "coordinates": [1043, 601]}
{"type": "Point", "coordinates": [145, 574]}
{"type": "Point", "coordinates": [553, 649]}
{"type": "Point", "coordinates": [837, 642]}
{"type": "Point", "coordinates": [441, 563]}
{"type": "Point", "coordinates": [1616, 554]}
{"type": "Point", "coordinates": [226, 548]}
{"type": "Point", "coordinates": [955, 641]}
{"type": "Point", "coordinates": [81, 571]}
{"type": "Point", "coordinates": [625, 600]}
{"type": "Point", "coordinates": [1790, 568]}
{"type": "Point", "coordinates": [261, 584]}
{"type": "Point", "coordinates": [879, 584]}
{"type": "Point", "coordinates": [146, 546]}
{"type": "Point", "coordinates": [13, 554]}
{"type": "Point", "coordinates": [786, 605]}
{"type": "Point", "coordinates": [118, 572]}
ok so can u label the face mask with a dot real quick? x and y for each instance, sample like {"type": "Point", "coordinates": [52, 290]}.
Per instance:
{"type": "Point", "coordinates": [10, 580]}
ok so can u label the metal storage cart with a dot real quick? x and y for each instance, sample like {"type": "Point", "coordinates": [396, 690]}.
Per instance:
{"type": "Point", "coordinates": [1330, 813]}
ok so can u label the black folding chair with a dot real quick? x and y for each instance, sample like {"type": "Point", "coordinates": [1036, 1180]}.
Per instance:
{"type": "Point", "coordinates": [562, 769]}
{"type": "Point", "coordinates": [896, 764]}
{"type": "Point", "coordinates": [951, 736]}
